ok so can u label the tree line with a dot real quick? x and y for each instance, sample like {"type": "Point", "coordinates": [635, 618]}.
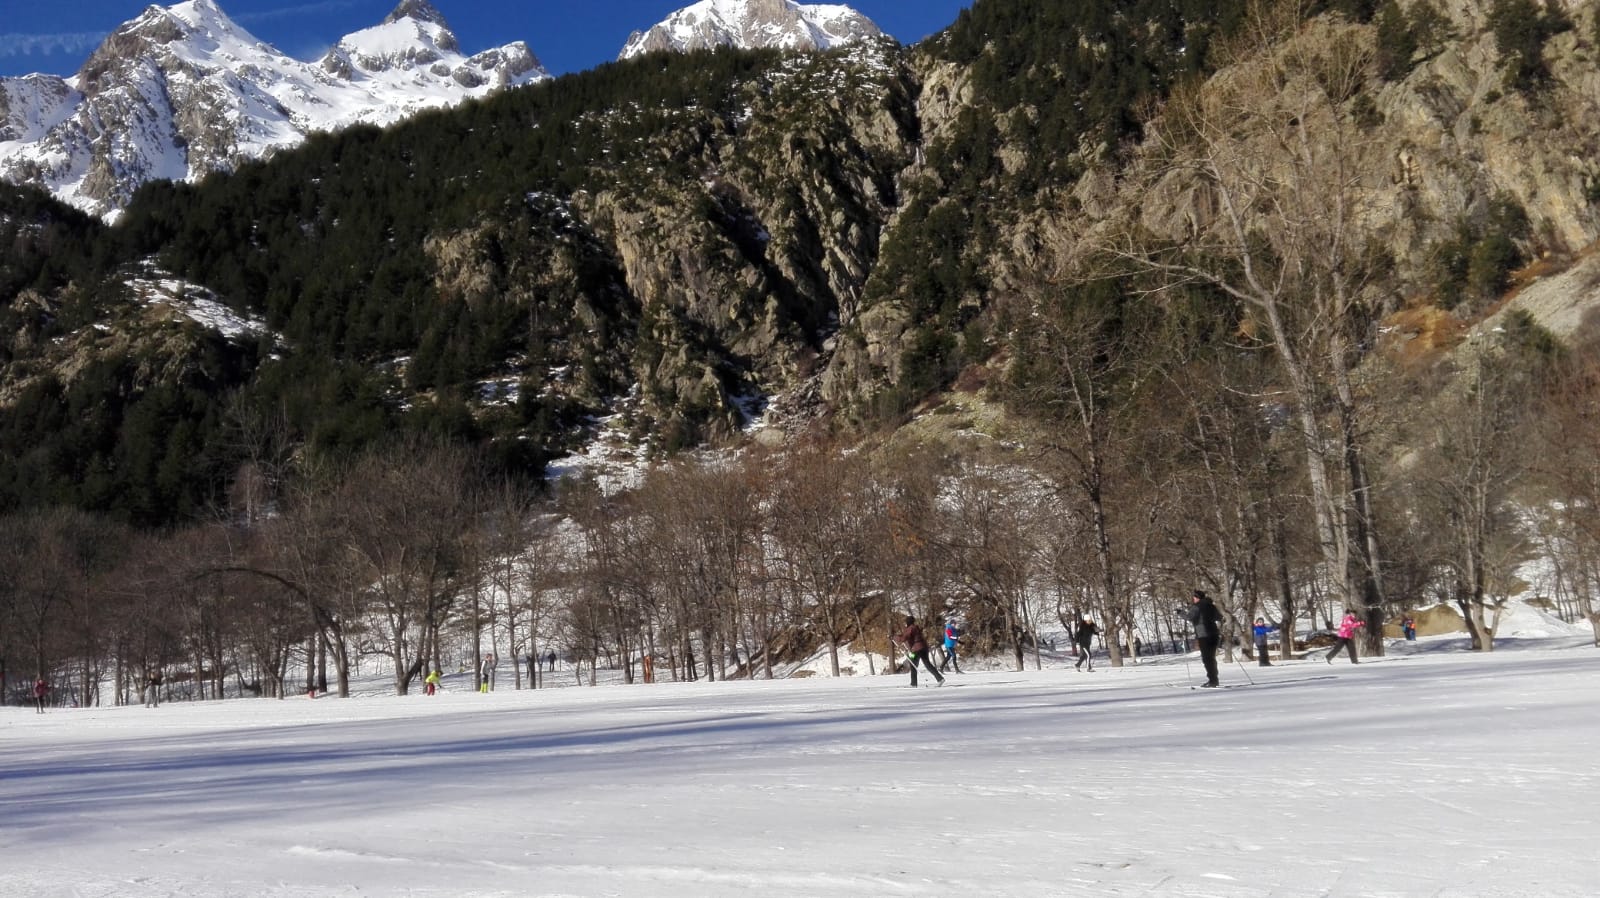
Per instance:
{"type": "Point", "coordinates": [1129, 477]}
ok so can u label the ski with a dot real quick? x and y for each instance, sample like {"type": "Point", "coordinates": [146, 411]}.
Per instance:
{"type": "Point", "coordinates": [1257, 683]}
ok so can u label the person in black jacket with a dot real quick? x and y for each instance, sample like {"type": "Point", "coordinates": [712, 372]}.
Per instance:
{"type": "Point", "coordinates": [1207, 622]}
{"type": "Point", "coordinates": [1083, 638]}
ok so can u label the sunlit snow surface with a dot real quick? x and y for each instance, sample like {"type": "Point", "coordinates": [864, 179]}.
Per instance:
{"type": "Point", "coordinates": [1440, 773]}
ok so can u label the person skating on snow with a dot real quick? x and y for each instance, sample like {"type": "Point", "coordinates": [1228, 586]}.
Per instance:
{"type": "Point", "coordinates": [916, 648]}
{"type": "Point", "coordinates": [1083, 638]}
{"type": "Point", "coordinates": [1260, 630]}
{"type": "Point", "coordinates": [952, 636]}
{"type": "Point", "coordinates": [41, 689]}
{"type": "Point", "coordinates": [431, 682]}
{"type": "Point", "coordinates": [152, 685]}
{"type": "Point", "coordinates": [1206, 619]}
{"type": "Point", "coordinates": [1347, 636]}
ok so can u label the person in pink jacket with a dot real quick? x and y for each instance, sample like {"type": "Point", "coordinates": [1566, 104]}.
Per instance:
{"type": "Point", "coordinates": [1347, 636]}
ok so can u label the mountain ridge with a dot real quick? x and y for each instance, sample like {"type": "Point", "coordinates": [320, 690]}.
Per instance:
{"type": "Point", "coordinates": [183, 91]}
{"type": "Point", "coordinates": [753, 24]}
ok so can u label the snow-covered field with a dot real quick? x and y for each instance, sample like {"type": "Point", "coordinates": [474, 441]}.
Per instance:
{"type": "Point", "coordinates": [1430, 772]}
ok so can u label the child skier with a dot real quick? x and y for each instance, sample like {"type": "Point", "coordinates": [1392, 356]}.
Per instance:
{"type": "Point", "coordinates": [1347, 636]}
{"type": "Point", "coordinates": [1261, 629]}
{"type": "Point", "coordinates": [952, 635]}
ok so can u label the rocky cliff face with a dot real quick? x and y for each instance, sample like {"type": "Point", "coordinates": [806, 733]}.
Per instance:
{"type": "Point", "coordinates": [183, 91]}
{"type": "Point", "coordinates": [1457, 134]}
{"type": "Point", "coordinates": [1448, 146]}
{"type": "Point", "coordinates": [743, 274]}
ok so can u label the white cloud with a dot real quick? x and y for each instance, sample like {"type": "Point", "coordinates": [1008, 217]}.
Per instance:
{"type": "Point", "coordinates": [77, 43]}
{"type": "Point", "coordinates": [304, 9]}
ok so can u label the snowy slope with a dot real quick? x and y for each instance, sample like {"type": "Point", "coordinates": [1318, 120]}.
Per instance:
{"type": "Point", "coordinates": [1442, 774]}
{"type": "Point", "coordinates": [183, 91]}
{"type": "Point", "coordinates": [749, 24]}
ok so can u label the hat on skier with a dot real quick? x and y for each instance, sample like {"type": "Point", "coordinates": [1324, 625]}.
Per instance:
{"type": "Point", "coordinates": [1200, 594]}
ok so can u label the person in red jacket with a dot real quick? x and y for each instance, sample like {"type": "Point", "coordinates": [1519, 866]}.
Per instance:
{"type": "Point", "coordinates": [916, 646]}
{"type": "Point", "coordinates": [41, 689]}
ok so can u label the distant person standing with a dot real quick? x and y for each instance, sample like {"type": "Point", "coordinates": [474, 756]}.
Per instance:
{"type": "Point", "coordinates": [1206, 620]}
{"type": "Point", "coordinates": [1409, 627]}
{"type": "Point", "coordinates": [489, 663]}
{"type": "Point", "coordinates": [41, 689]}
{"type": "Point", "coordinates": [952, 637]}
{"type": "Point", "coordinates": [916, 646]}
{"type": "Point", "coordinates": [152, 690]}
{"type": "Point", "coordinates": [1083, 637]}
{"type": "Point", "coordinates": [1260, 631]}
{"type": "Point", "coordinates": [1347, 636]}
{"type": "Point", "coordinates": [551, 659]}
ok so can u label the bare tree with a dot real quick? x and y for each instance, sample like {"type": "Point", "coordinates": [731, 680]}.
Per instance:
{"type": "Point", "coordinates": [54, 558]}
{"type": "Point", "coordinates": [821, 522]}
{"type": "Point", "coordinates": [1079, 370]}
{"type": "Point", "coordinates": [406, 511]}
{"type": "Point", "coordinates": [1279, 174]}
{"type": "Point", "coordinates": [1566, 472]}
{"type": "Point", "coordinates": [990, 526]}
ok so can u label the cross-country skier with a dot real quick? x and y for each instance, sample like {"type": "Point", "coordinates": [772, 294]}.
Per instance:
{"type": "Point", "coordinates": [916, 647]}
{"type": "Point", "coordinates": [1347, 636]}
{"type": "Point", "coordinates": [431, 681]}
{"type": "Point", "coordinates": [952, 636]}
{"type": "Point", "coordinates": [1083, 638]}
{"type": "Point", "coordinates": [41, 688]}
{"type": "Point", "coordinates": [489, 662]}
{"type": "Point", "coordinates": [1207, 622]}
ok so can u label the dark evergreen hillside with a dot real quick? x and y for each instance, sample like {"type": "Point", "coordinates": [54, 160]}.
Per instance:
{"type": "Point", "coordinates": [43, 245]}
{"type": "Point", "coordinates": [668, 222]}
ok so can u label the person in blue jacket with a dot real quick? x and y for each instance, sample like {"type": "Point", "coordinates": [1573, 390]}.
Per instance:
{"type": "Point", "coordinates": [1261, 629]}
{"type": "Point", "coordinates": [952, 635]}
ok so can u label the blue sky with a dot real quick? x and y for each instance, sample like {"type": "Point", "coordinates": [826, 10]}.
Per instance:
{"type": "Point", "coordinates": [56, 36]}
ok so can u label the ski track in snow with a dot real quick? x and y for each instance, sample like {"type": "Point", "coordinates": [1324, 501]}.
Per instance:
{"type": "Point", "coordinates": [1449, 775]}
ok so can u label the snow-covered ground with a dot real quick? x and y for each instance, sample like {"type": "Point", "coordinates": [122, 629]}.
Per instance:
{"type": "Point", "coordinates": [1429, 772]}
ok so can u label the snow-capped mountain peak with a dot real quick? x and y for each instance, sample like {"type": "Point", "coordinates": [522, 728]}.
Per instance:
{"type": "Point", "coordinates": [749, 24]}
{"type": "Point", "coordinates": [182, 91]}
{"type": "Point", "coordinates": [420, 10]}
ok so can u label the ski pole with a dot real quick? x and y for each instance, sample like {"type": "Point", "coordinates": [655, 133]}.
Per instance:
{"type": "Point", "coordinates": [1244, 670]}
